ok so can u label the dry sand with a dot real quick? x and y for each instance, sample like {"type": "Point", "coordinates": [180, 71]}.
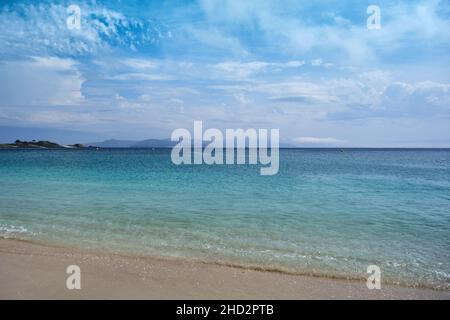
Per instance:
{"type": "Point", "coordinates": [34, 271]}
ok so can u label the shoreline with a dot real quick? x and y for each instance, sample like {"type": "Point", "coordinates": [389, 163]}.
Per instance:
{"type": "Point", "coordinates": [36, 271]}
{"type": "Point", "coordinates": [222, 263]}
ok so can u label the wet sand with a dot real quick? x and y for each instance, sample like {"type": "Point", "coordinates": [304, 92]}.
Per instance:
{"type": "Point", "coordinates": [35, 271]}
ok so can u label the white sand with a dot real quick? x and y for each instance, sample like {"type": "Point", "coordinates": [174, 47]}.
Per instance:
{"type": "Point", "coordinates": [32, 271]}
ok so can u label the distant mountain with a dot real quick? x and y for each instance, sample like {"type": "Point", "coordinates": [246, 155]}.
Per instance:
{"type": "Point", "coordinates": [113, 143]}
{"type": "Point", "coordinates": [149, 143]}
{"type": "Point", "coordinates": [154, 143]}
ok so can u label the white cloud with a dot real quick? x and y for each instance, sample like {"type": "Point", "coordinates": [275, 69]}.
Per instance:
{"type": "Point", "coordinates": [58, 117]}
{"type": "Point", "coordinates": [242, 98]}
{"type": "Point", "coordinates": [316, 62]}
{"type": "Point", "coordinates": [140, 76]}
{"type": "Point", "coordinates": [291, 90]}
{"type": "Point", "coordinates": [244, 70]}
{"type": "Point", "coordinates": [41, 81]}
{"type": "Point", "coordinates": [140, 64]}
{"type": "Point", "coordinates": [214, 37]}
{"type": "Point", "coordinates": [124, 103]}
{"type": "Point", "coordinates": [316, 140]}
{"type": "Point", "coordinates": [175, 100]}
{"type": "Point", "coordinates": [399, 99]}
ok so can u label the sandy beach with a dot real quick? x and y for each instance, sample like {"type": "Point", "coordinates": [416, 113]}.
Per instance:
{"type": "Point", "coordinates": [35, 271]}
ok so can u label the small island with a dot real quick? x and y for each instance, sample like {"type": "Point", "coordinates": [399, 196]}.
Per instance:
{"type": "Point", "coordinates": [33, 144]}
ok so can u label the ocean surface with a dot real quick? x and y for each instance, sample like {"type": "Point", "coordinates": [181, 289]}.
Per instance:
{"type": "Point", "coordinates": [326, 212]}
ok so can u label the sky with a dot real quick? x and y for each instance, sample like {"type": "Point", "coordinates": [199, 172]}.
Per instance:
{"type": "Point", "coordinates": [312, 69]}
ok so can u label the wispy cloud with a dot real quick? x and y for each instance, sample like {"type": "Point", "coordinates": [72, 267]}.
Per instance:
{"type": "Point", "coordinates": [317, 140]}
{"type": "Point", "coordinates": [140, 76]}
{"type": "Point", "coordinates": [245, 69]}
{"type": "Point", "coordinates": [311, 69]}
{"type": "Point", "coordinates": [399, 99]}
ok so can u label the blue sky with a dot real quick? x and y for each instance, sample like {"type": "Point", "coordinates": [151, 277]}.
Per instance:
{"type": "Point", "coordinates": [140, 69]}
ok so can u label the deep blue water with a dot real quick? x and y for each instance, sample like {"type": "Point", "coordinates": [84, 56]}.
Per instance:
{"type": "Point", "coordinates": [326, 212]}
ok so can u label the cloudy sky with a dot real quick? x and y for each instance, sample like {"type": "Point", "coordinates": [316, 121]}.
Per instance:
{"type": "Point", "coordinates": [140, 69]}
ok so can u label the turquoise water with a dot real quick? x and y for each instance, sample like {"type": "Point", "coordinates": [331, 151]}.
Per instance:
{"type": "Point", "coordinates": [326, 212]}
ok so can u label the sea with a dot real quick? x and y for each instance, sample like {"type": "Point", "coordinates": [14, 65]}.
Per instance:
{"type": "Point", "coordinates": [327, 213]}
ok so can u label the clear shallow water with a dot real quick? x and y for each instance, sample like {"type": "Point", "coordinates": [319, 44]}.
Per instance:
{"type": "Point", "coordinates": [326, 212]}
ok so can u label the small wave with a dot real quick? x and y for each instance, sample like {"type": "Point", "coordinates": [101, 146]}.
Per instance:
{"type": "Point", "coordinates": [10, 231]}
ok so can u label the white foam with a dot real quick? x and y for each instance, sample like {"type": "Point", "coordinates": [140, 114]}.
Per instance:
{"type": "Point", "coordinates": [10, 231]}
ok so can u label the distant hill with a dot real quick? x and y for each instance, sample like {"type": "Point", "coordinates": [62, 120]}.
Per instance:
{"type": "Point", "coordinates": [155, 143]}
{"type": "Point", "coordinates": [149, 143]}
{"type": "Point", "coordinates": [18, 144]}
{"type": "Point", "coordinates": [113, 143]}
